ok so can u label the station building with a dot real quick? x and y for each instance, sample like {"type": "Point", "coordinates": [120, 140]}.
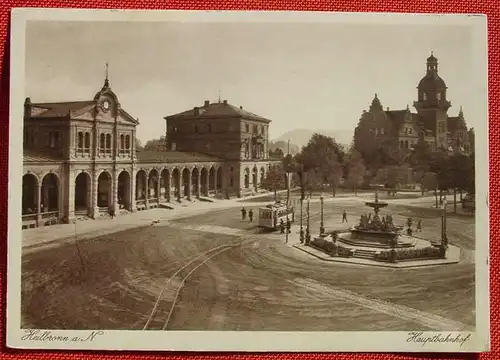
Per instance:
{"type": "Point", "coordinates": [80, 159]}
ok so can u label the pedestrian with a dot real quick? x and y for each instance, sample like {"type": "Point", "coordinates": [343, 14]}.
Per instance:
{"type": "Point", "coordinates": [250, 215]}
{"type": "Point", "coordinates": [419, 225]}
{"type": "Point", "coordinates": [282, 226]}
{"type": "Point", "coordinates": [344, 217]}
{"type": "Point", "coordinates": [288, 226]}
{"type": "Point", "coordinates": [112, 214]}
{"type": "Point", "coordinates": [243, 213]}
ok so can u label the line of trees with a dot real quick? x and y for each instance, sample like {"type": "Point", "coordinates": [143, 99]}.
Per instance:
{"type": "Point", "coordinates": [323, 163]}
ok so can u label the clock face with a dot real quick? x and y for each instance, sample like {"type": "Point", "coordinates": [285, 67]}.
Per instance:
{"type": "Point", "coordinates": [105, 105]}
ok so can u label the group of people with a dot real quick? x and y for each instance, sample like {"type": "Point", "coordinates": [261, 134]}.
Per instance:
{"type": "Point", "coordinates": [244, 214]}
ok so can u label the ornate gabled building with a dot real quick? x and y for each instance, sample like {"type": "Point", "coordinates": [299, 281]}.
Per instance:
{"type": "Point", "coordinates": [431, 123]}
{"type": "Point", "coordinates": [80, 159]}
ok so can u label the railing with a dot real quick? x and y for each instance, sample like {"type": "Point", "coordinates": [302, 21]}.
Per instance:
{"type": "Point", "coordinates": [29, 217]}
{"type": "Point", "coordinates": [50, 215]}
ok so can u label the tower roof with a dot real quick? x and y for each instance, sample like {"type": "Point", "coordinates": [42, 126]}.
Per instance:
{"type": "Point", "coordinates": [376, 105]}
{"type": "Point", "coordinates": [431, 80]}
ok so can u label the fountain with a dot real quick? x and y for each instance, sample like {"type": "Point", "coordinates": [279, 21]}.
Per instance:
{"type": "Point", "coordinates": [376, 231]}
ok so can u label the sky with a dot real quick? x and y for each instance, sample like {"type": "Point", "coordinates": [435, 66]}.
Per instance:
{"type": "Point", "coordinates": [299, 75]}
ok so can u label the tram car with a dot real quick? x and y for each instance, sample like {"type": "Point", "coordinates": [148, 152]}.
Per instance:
{"type": "Point", "coordinates": [270, 216]}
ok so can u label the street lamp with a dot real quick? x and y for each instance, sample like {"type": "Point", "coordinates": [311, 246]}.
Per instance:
{"type": "Point", "coordinates": [308, 233]}
{"type": "Point", "coordinates": [444, 237]}
{"type": "Point", "coordinates": [301, 175]}
{"type": "Point", "coordinates": [322, 225]}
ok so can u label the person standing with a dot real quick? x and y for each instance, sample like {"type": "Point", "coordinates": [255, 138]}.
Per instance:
{"type": "Point", "coordinates": [250, 215]}
{"type": "Point", "coordinates": [243, 213]}
{"type": "Point", "coordinates": [419, 225]}
{"type": "Point", "coordinates": [282, 226]}
{"type": "Point", "coordinates": [344, 217]}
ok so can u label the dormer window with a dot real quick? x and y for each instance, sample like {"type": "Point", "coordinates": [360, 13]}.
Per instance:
{"type": "Point", "coordinates": [425, 96]}
{"type": "Point", "coordinates": [438, 96]}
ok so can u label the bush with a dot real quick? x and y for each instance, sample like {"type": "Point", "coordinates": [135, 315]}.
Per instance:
{"type": "Point", "coordinates": [331, 247]}
{"type": "Point", "coordinates": [430, 252]}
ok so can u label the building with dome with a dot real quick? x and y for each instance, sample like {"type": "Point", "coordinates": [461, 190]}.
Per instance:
{"type": "Point", "coordinates": [403, 129]}
{"type": "Point", "coordinates": [80, 159]}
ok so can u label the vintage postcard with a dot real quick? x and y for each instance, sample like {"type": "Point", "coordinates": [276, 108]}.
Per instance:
{"type": "Point", "coordinates": [248, 181]}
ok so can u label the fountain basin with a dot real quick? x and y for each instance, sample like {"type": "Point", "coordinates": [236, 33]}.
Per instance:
{"type": "Point", "coordinates": [375, 239]}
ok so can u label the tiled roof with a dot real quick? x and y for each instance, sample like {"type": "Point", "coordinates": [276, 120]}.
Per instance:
{"type": "Point", "coordinates": [39, 156]}
{"type": "Point", "coordinates": [219, 109]}
{"type": "Point", "coordinates": [174, 157]}
{"type": "Point", "coordinates": [397, 118]}
{"type": "Point", "coordinates": [60, 109]}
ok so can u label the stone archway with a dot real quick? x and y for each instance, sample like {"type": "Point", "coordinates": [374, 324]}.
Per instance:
{"type": "Point", "coordinates": [186, 178]}
{"type": "Point", "coordinates": [195, 182]}
{"type": "Point", "coordinates": [219, 178]}
{"type": "Point", "coordinates": [153, 182]}
{"type": "Point", "coordinates": [124, 191]}
{"type": "Point", "coordinates": [204, 181]}
{"type": "Point", "coordinates": [176, 178]}
{"type": "Point", "coordinates": [211, 179]}
{"type": "Point", "coordinates": [83, 194]}
{"type": "Point", "coordinates": [165, 184]}
{"type": "Point", "coordinates": [30, 194]}
{"type": "Point", "coordinates": [104, 191]}
{"type": "Point", "coordinates": [140, 185]}
{"type": "Point", "coordinates": [50, 193]}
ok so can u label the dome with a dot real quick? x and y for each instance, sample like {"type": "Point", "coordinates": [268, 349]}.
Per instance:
{"type": "Point", "coordinates": [432, 59]}
{"type": "Point", "coordinates": [432, 81]}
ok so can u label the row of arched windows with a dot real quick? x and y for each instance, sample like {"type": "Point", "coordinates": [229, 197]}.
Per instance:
{"type": "Point", "coordinates": [105, 145]}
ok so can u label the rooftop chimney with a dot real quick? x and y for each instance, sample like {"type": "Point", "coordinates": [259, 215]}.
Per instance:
{"type": "Point", "coordinates": [241, 107]}
{"type": "Point", "coordinates": [196, 111]}
{"type": "Point", "coordinates": [388, 108]}
{"type": "Point", "coordinates": [27, 107]}
{"type": "Point", "coordinates": [225, 102]}
{"type": "Point", "coordinates": [207, 102]}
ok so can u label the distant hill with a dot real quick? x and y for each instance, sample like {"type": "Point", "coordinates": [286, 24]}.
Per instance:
{"type": "Point", "coordinates": [300, 137]}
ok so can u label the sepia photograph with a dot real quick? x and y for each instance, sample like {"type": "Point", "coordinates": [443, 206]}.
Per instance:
{"type": "Point", "coordinates": [248, 181]}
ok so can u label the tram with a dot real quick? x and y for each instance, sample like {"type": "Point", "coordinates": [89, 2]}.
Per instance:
{"type": "Point", "coordinates": [270, 216]}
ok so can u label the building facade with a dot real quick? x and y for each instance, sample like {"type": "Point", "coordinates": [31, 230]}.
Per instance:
{"type": "Point", "coordinates": [431, 124]}
{"type": "Point", "coordinates": [80, 159]}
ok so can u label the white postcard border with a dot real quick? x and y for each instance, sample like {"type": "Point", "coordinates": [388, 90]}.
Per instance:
{"type": "Point", "coordinates": [350, 341]}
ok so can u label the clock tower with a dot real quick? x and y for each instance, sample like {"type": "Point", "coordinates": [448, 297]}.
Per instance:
{"type": "Point", "coordinates": [432, 105]}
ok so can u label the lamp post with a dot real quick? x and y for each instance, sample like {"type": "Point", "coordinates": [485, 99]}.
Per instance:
{"type": "Point", "coordinates": [444, 237]}
{"type": "Point", "coordinates": [301, 228]}
{"type": "Point", "coordinates": [322, 225]}
{"type": "Point", "coordinates": [308, 233]}
{"type": "Point", "coordinates": [302, 195]}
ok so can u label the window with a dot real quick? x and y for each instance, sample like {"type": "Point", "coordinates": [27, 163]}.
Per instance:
{"type": "Point", "coordinates": [441, 128]}
{"type": "Point", "coordinates": [108, 141]}
{"type": "Point", "coordinates": [176, 129]}
{"type": "Point", "coordinates": [122, 141]}
{"type": "Point", "coordinates": [174, 146]}
{"type": "Point", "coordinates": [382, 131]}
{"type": "Point", "coordinates": [102, 143]}
{"type": "Point", "coordinates": [87, 140]}
{"type": "Point", "coordinates": [127, 142]}
{"type": "Point", "coordinates": [409, 131]}
{"type": "Point", "coordinates": [80, 140]}
{"type": "Point", "coordinates": [209, 128]}
{"type": "Point", "coordinates": [247, 128]}
{"type": "Point", "coordinates": [425, 96]}
{"type": "Point", "coordinates": [376, 131]}
{"type": "Point", "coordinates": [438, 96]}
{"type": "Point", "coordinates": [406, 131]}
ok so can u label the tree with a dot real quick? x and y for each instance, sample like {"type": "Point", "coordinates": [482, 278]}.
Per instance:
{"type": "Point", "coordinates": [355, 170]}
{"type": "Point", "coordinates": [274, 180]}
{"type": "Point", "coordinates": [429, 182]}
{"type": "Point", "coordinates": [392, 177]}
{"type": "Point", "coordinates": [154, 143]}
{"type": "Point", "coordinates": [312, 180]}
{"type": "Point", "coordinates": [138, 144]}
{"type": "Point", "coordinates": [325, 157]}
{"type": "Point", "coordinates": [276, 154]}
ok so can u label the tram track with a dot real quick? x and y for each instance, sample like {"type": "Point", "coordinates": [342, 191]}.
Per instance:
{"type": "Point", "coordinates": [197, 261]}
